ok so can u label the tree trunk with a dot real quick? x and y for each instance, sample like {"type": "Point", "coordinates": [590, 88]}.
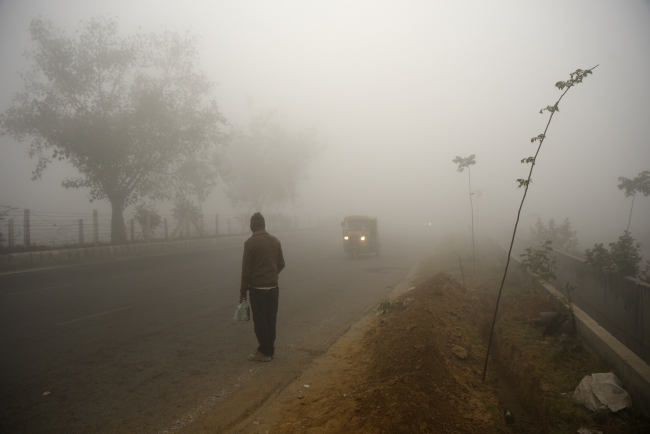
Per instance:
{"type": "Point", "coordinates": [471, 204]}
{"type": "Point", "coordinates": [631, 209]}
{"type": "Point", "coordinates": [118, 230]}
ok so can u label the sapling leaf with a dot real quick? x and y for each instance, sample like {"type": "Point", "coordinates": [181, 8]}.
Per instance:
{"type": "Point", "coordinates": [536, 138]}
{"type": "Point", "coordinates": [524, 182]}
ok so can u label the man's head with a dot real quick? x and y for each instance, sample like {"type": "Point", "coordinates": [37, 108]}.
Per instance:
{"type": "Point", "coordinates": [257, 222]}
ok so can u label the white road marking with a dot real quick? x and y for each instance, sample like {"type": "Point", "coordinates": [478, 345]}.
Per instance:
{"type": "Point", "coordinates": [37, 269]}
{"type": "Point", "coordinates": [198, 289]}
{"type": "Point", "coordinates": [38, 289]}
{"type": "Point", "coordinates": [96, 315]}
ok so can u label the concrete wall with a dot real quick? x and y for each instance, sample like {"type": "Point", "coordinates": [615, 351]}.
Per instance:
{"type": "Point", "coordinates": [633, 372]}
{"type": "Point", "coordinates": [621, 305]}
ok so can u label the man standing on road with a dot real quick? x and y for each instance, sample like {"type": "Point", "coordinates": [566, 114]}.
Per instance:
{"type": "Point", "coordinates": [261, 265]}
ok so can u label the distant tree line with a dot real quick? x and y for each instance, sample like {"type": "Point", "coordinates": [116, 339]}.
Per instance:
{"type": "Point", "coordinates": [135, 117]}
{"type": "Point", "coordinates": [563, 237]}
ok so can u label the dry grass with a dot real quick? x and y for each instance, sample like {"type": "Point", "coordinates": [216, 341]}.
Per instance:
{"type": "Point", "coordinates": [543, 371]}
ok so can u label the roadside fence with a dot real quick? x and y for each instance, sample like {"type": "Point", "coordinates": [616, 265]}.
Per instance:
{"type": "Point", "coordinates": [41, 230]}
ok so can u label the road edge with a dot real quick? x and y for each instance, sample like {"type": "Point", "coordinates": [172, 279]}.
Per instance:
{"type": "Point", "coordinates": [359, 326]}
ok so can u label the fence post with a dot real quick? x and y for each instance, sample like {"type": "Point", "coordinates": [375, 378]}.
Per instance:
{"type": "Point", "coordinates": [132, 230]}
{"type": "Point", "coordinates": [228, 226]}
{"type": "Point", "coordinates": [95, 228]}
{"type": "Point", "coordinates": [216, 224]}
{"type": "Point", "coordinates": [27, 241]}
{"type": "Point", "coordinates": [147, 226]}
{"type": "Point", "coordinates": [81, 232]}
{"type": "Point", "coordinates": [166, 228]}
{"type": "Point", "coordinates": [11, 232]}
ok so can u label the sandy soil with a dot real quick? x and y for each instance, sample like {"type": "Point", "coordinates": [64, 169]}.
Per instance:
{"type": "Point", "coordinates": [395, 373]}
{"type": "Point", "coordinates": [417, 366]}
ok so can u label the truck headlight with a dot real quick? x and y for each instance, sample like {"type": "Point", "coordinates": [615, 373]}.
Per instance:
{"type": "Point", "coordinates": [345, 237]}
{"type": "Point", "coordinates": [363, 238]}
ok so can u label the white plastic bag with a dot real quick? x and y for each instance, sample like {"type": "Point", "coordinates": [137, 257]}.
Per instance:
{"type": "Point", "coordinates": [609, 390]}
{"type": "Point", "coordinates": [601, 391]}
{"type": "Point", "coordinates": [584, 394]}
{"type": "Point", "coordinates": [243, 311]}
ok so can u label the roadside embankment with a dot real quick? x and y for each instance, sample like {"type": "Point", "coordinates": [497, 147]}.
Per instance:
{"type": "Point", "coordinates": [414, 364]}
{"type": "Point", "coordinates": [394, 373]}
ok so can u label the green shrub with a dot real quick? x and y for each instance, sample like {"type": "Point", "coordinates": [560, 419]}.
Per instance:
{"type": "Point", "coordinates": [540, 262]}
{"type": "Point", "coordinates": [622, 258]}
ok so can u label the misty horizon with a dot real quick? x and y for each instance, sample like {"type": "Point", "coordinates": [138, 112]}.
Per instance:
{"type": "Point", "coordinates": [396, 92]}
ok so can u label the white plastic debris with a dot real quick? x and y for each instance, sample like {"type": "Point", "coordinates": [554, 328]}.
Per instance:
{"type": "Point", "coordinates": [306, 385]}
{"type": "Point", "coordinates": [46, 393]}
{"type": "Point", "coordinates": [588, 431]}
{"type": "Point", "coordinates": [601, 391]}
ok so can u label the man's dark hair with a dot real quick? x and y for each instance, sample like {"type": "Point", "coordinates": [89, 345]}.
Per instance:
{"type": "Point", "coordinates": [257, 221]}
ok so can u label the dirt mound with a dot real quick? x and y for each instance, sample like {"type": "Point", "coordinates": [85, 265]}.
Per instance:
{"type": "Point", "coordinates": [404, 377]}
{"type": "Point", "coordinates": [417, 367]}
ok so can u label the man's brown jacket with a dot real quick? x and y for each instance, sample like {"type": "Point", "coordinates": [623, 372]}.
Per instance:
{"type": "Point", "coordinates": [262, 261]}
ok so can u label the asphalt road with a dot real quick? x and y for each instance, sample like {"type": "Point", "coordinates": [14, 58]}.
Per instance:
{"type": "Point", "coordinates": [149, 344]}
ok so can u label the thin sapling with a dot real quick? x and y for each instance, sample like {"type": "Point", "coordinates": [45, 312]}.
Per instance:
{"type": "Point", "coordinates": [575, 78]}
{"type": "Point", "coordinates": [640, 184]}
{"type": "Point", "coordinates": [464, 163]}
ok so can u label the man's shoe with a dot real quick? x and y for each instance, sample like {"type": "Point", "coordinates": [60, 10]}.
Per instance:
{"type": "Point", "coordinates": [259, 357]}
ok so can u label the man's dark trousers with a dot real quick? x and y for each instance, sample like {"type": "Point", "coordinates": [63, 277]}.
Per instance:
{"type": "Point", "coordinates": [264, 304]}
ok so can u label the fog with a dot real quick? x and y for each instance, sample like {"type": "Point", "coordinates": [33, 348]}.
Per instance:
{"type": "Point", "coordinates": [397, 90]}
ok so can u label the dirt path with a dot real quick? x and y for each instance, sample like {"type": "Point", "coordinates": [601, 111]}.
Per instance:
{"type": "Point", "coordinates": [394, 373]}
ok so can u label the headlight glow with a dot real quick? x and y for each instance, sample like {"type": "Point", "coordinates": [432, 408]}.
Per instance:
{"type": "Point", "coordinates": [345, 237]}
{"type": "Point", "coordinates": [363, 238]}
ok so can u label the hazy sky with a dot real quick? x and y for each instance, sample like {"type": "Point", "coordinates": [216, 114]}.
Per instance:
{"type": "Point", "coordinates": [397, 89]}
